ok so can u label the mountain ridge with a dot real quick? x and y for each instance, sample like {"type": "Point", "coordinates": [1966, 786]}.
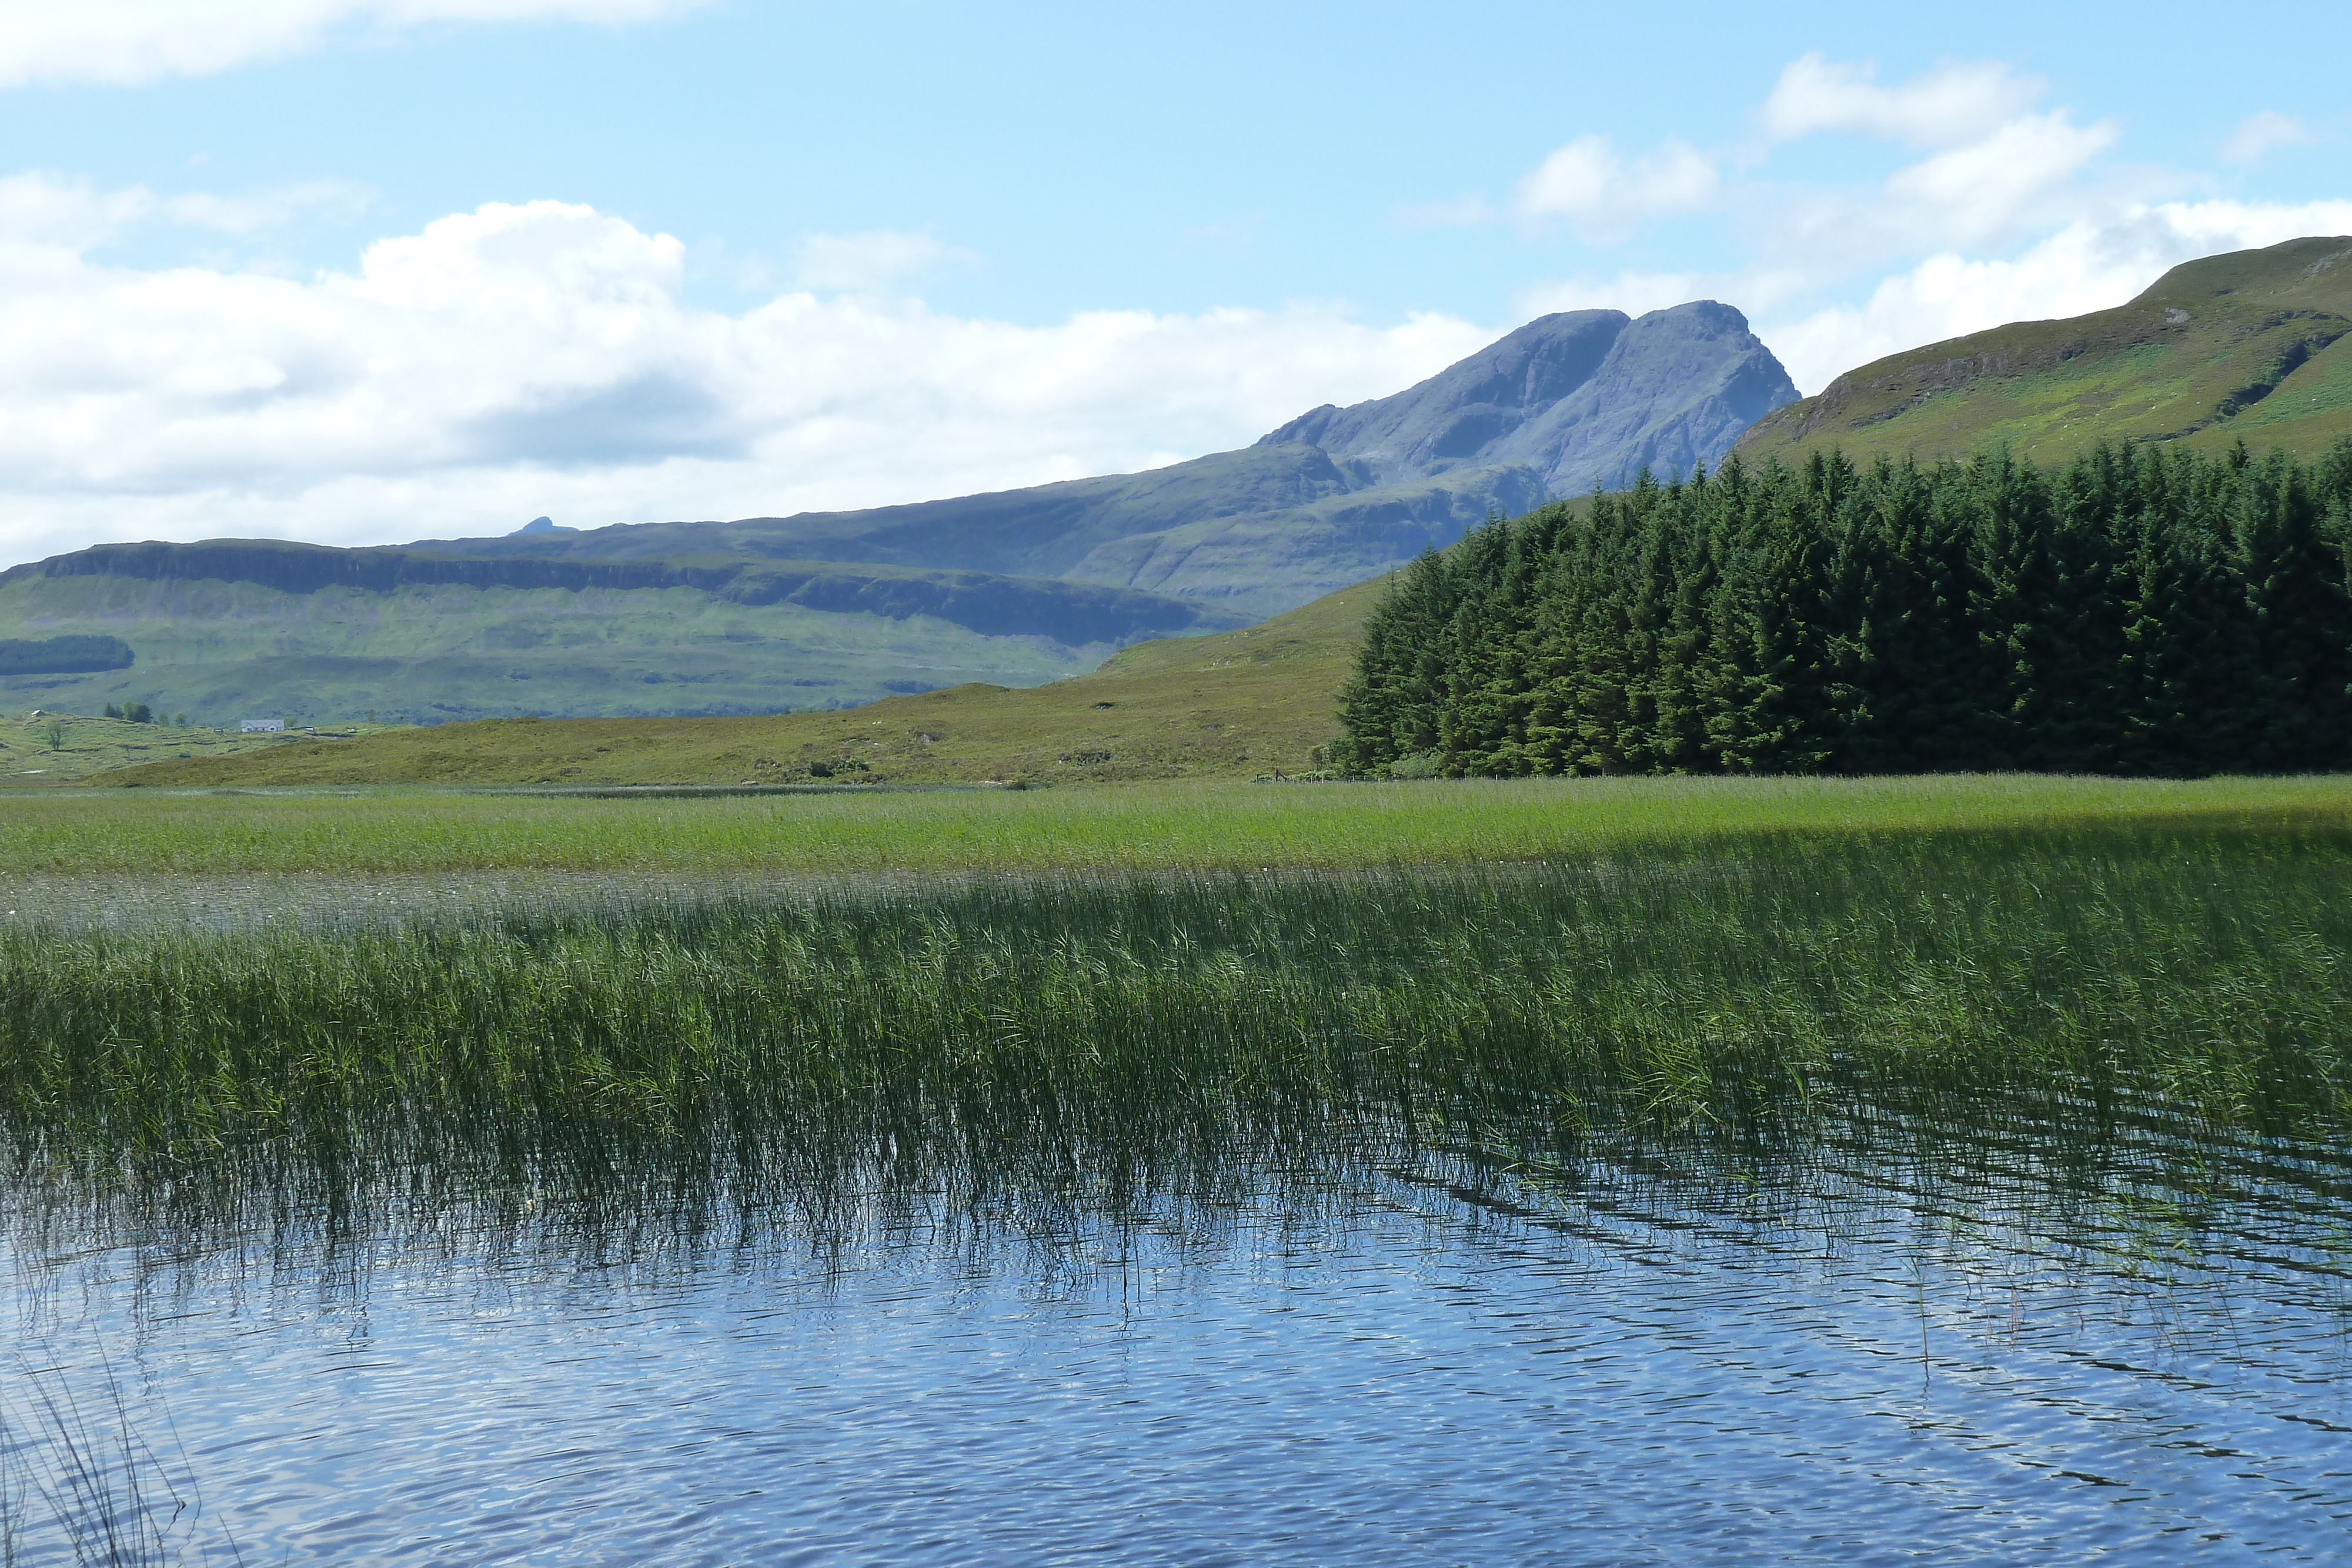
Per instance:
{"type": "Point", "coordinates": [1561, 405]}
{"type": "Point", "coordinates": [833, 609]}
{"type": "Point", "coordinates": [1585, 400]}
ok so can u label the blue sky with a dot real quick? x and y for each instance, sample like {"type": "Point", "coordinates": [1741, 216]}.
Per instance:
{"type": "Point", "coordinates": [375, 269]}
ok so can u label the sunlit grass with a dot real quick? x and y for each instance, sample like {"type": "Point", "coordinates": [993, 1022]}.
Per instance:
{"type": "Point", "coordinates": [1135, 828]}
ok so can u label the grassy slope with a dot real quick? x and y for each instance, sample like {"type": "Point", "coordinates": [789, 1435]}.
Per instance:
{"type": "Point", "coordinates": [2168, 366]}
{"type": "Point", "coordinates": [223, 651]}
{"type": "Point", "coordinates": [2311, 409]}
{"type": "Point", "coordinates": [1236, 704]}
{"type": "Point", "coordinates": [96, 745]}
{"type": "Point", "coordinates": [1197, 825]}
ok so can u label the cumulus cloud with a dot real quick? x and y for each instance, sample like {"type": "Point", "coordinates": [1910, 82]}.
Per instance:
{"type": "Point", "coordinates": [1996, 215]}
{"type": "Point", "coordinates": [1979, 191]}
{"type": "Point", "coordinates": [1992, 164]}
{"type": "Point", "coordinates": [1957, 101]}
{"type": "Point", "coordinates": [1990, 170]}
{"type": "Point", "coordinates": [540, 358]}
{"type": "Point", "coordinates": [2259, 133]}
{"type": "Point", "coordinates": [39, 212]}
{"type": "Point", "coordinates": [127, 42]}
{"type": "Point", "coordinates": [1606, 195]}
{"type": "Point", "coordinates": [44, 212]}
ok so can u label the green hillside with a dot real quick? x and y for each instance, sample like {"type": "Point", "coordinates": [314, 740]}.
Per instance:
{"type": "Point", "coordinates": [44, 747]}
{"type": "Point", "coordinates": [239, 628]}
{"type": "Point", "coordinates": [1233, 705]}
{"type": "Point", "coordinates": [2250, 345]}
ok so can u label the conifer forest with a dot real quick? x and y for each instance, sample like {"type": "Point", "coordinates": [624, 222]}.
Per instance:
{"type": "Point", "coordinates": [2137, 611]}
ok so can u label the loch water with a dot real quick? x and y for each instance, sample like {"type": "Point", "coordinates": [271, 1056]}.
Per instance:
{"type": "Point", "coordinates": [1995, 1347]}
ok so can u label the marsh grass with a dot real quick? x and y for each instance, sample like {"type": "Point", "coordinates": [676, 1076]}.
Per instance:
{"type": "Point", "coordinates": [1058, 1033]}
{"type": "Point", "coordinates": [79, 1469]}
{"type": "Point", "coordinates": [1156, 828]}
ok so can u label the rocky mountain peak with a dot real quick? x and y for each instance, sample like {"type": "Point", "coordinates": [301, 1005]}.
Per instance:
{"type": "Point", "coordinates": [1583, 398]}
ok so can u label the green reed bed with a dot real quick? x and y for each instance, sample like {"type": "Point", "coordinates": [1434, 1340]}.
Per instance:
{"type": "Point", "coordinates": [1063, 1027]}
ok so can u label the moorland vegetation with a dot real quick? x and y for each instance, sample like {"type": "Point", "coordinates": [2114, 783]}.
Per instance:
{"type": "Point", "coordinates": [42, 750]}
{"type": "Point", "coordinates": [1233, 705]}
{"type": "Point", "coordinates": [2253, 345]}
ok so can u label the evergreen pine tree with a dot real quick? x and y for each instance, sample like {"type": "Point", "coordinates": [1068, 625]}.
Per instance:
{"type": "Point", "coordinates": [1391, 706]}
{"type": "Point", "coordinates": [2300, 623]}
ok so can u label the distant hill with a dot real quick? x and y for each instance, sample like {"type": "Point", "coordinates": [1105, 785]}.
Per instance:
{"type": "Point", "coordinates": [1233, 705]}
{"type": "Point", "coordinates": [2249, 345]}
{"type": "Point", "coordinates": [1314, 523]}
{"type": "Point", "coordinates": [235, 628]}
{"type": "Point", "coordinates": [832, 608]}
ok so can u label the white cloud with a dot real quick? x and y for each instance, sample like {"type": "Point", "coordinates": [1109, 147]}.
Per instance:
{"type": "Point", "coordinates": [539, 359]}
{"type": "Point", "coordinates": [869, 261]}
{"type": "Point", "coordinates": [1999, 221]}
{"type": "Point", "coordinates": [39, 213]}
{"type": "Point", "coordinates": [1993, 165]}
{"type": "Point", "coordinates": [1954, 102]}
{"type": "Point", "coordinates": [2258, 133]}
{"type": "Point", "coordinates": [2092, 264]}
{"type": "Point", "coordinates": [1606, 195]}
{"type": "Point", "coordinates": [132, 41]}
{"type": "Point", "coordinates": [1979, 191]}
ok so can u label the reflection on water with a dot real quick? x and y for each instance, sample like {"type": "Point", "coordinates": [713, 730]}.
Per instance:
{"type": "Point", "coordinates": [1878, 1352]}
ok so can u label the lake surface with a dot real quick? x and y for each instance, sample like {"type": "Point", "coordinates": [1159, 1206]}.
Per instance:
{"type": "Point", "coordinates": [1969, 1356]}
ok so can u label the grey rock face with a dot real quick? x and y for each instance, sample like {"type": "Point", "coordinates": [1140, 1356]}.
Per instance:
{"type": "Point", "coordinates": [1446, 421]}
{"type": "Point", "coordinates": [1583, 399]}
